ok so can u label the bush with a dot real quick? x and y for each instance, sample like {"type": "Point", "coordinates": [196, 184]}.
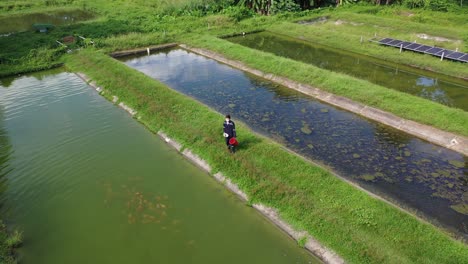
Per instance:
{"type": "Point", "coordinates": [438, 5]}
{"type": "Point", "coordinates": [434, 5]}
{"type": "Point", "coordinates": [284, 6]}
{"type": "Point", "coordinates": [238, 12]}
{"type": "Point", "coordinates": [415, 3]}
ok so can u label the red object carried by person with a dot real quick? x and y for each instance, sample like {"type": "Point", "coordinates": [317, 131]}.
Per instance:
{"type": "Point", "coordinates": [233, 141]}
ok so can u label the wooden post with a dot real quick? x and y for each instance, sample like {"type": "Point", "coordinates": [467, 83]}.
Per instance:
{"type": "Point", "coordinates": [148, 51]}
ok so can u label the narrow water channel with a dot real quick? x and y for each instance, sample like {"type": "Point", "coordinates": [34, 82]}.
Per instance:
{"type": "Point", "coordinates": [404, 169]}
{"type": "Point", "coordinates": [88, 184]}
{"type": "Point", "coordinates": [442, 89]}
{"type": "Point", "coordinates": [24, 22]}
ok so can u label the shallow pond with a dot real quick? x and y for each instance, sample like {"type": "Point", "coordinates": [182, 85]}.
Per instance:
{"type": "Point", "coordinates": [88, 184]}
{"type": "Point", "coordinates": [409, 171]}
{"type": "Point", "coordinates": [19, 23]}
{"type": "Point", "coordinates": [442, 89]}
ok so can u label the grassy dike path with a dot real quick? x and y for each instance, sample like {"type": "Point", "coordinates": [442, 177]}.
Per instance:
{"type": "Point", "coordinates": [401, 104]}
{"type": "Point", "coordinates": [358, 227]}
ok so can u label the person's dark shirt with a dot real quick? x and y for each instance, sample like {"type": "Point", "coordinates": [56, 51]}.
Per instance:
{"type": "Point", "coordinates": [230, 128]}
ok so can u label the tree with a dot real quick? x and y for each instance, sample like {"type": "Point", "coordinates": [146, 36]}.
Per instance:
{"type": "Point", "coordinates": [261, 6]}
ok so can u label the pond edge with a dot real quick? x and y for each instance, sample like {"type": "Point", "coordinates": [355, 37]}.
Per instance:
{"type": "Point", "coordinates": [312, 245]}
{"type": "Point", "coordinates": [439, 137]}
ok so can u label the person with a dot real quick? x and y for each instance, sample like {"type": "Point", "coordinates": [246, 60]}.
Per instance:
{"type": "Point", "coordinates": [229, 132]}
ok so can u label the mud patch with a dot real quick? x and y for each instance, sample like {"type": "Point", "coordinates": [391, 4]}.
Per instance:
{"type": "Point", "coordinates": [314, 20]}
{"type": "Point", "coordinates": [436, 38]}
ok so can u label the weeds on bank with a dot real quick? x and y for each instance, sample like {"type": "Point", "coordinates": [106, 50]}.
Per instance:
{"type": "Point", "coordinates": [8, 243]}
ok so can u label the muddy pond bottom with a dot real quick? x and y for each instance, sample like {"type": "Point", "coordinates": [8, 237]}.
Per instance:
{"type": "Point", "coordinates": [424, 178]}
{"type": "Point", "coordinates": [88, 184]}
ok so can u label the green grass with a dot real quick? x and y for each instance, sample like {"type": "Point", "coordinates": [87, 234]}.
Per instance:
{"type": "Point", "coordinates": [398, 103]}
{"type": "Point", "coordinates": [359, 228]}
{"type": "Point", "coordinates": [8, 243]}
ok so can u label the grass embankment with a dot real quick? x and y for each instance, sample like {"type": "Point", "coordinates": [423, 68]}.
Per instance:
{"type": "Point", "coordinates": [344, 28]}
{"type": "Point", "coordinates": [399, 103]}
{"type": "Point", "coordinates": [359, 228]}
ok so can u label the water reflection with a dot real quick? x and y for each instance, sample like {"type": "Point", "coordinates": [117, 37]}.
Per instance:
{"type": "Point", "coordinates": [19, 23]}
{"type": "Point", "coordinates": [6, 151]}
{"type": "Point", "coordinates": [452, 93]}
{"type": "Point", "coordinates": [398, 166]}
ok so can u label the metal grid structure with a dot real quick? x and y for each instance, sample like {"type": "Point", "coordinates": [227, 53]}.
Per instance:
{"type": "Point", "coordinates": [435, 51]}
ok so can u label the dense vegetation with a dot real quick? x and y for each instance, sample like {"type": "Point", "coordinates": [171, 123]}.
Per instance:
{"type": "Point", "coordinates": [361, 229]}
{"type": "Point", "coordinates": [167, 20]}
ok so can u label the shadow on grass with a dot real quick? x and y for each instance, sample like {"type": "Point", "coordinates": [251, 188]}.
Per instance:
{"type": "Point", "coordinates": [246, 143]}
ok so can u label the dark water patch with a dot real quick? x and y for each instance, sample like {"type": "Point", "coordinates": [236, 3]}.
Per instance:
{"type": "Point", "coordinates": [88, 184]}
{"type": "Point", "coordinates": [442, 89]}
{"type": "Point", "coordinates": [20, 23]}
{"type": "Point", "coordinates": [400, 167]}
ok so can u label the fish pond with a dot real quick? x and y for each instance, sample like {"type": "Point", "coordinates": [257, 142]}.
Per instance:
{"type": "Point", "coordinates": [24, 22]}
{"type": "Point", "coordinates": [429, 180]}
{"type": "Point", "coordinates": [86, 183]}
{"type": "Point", "coordinates": [435, 87]}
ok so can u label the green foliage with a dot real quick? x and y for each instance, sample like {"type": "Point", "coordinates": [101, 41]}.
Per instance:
{"type": "Point", "coordinates": [42, 56]}
{"type": "Point", "coordinates": [260, 6]}
{"type": "Point", "coordinates": [302, 241]}
{"type": "Point", "coordinates": [238, 12]}
{"type": "Point", "coordinates": [434, 5]}
{"type": "Point", "coordinates": [415, 3]}
{"type": "Point", "coordinates": [439, 5]}
{"type": "Point", "coordinates": [197, 8]}
{"type": "Point", "coordinates": [365, 217]}
{"type": "Point", "coordinates": [8, 243]}
{"type": "Point", "coordinates": [465, 40]}
{"type": "Point", "coordinates": [284, 6]}
{"type": "Point", "coordinates": [15, 239]}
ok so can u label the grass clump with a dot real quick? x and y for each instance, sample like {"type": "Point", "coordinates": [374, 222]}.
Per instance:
{"type": "Point", "coordinates": [8, 243]}
{"type": "Point", "coordinates": [358, 227]}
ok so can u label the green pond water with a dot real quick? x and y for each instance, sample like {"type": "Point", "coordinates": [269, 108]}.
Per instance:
{"type": "Point", "coordinates": [88, 184]}
{"type": "Point", "coordinates": [19, 23]}
{"type": "Point", "coordinates": [425, 178]}
{"type": "Point", "coordinates": [435, 87]}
